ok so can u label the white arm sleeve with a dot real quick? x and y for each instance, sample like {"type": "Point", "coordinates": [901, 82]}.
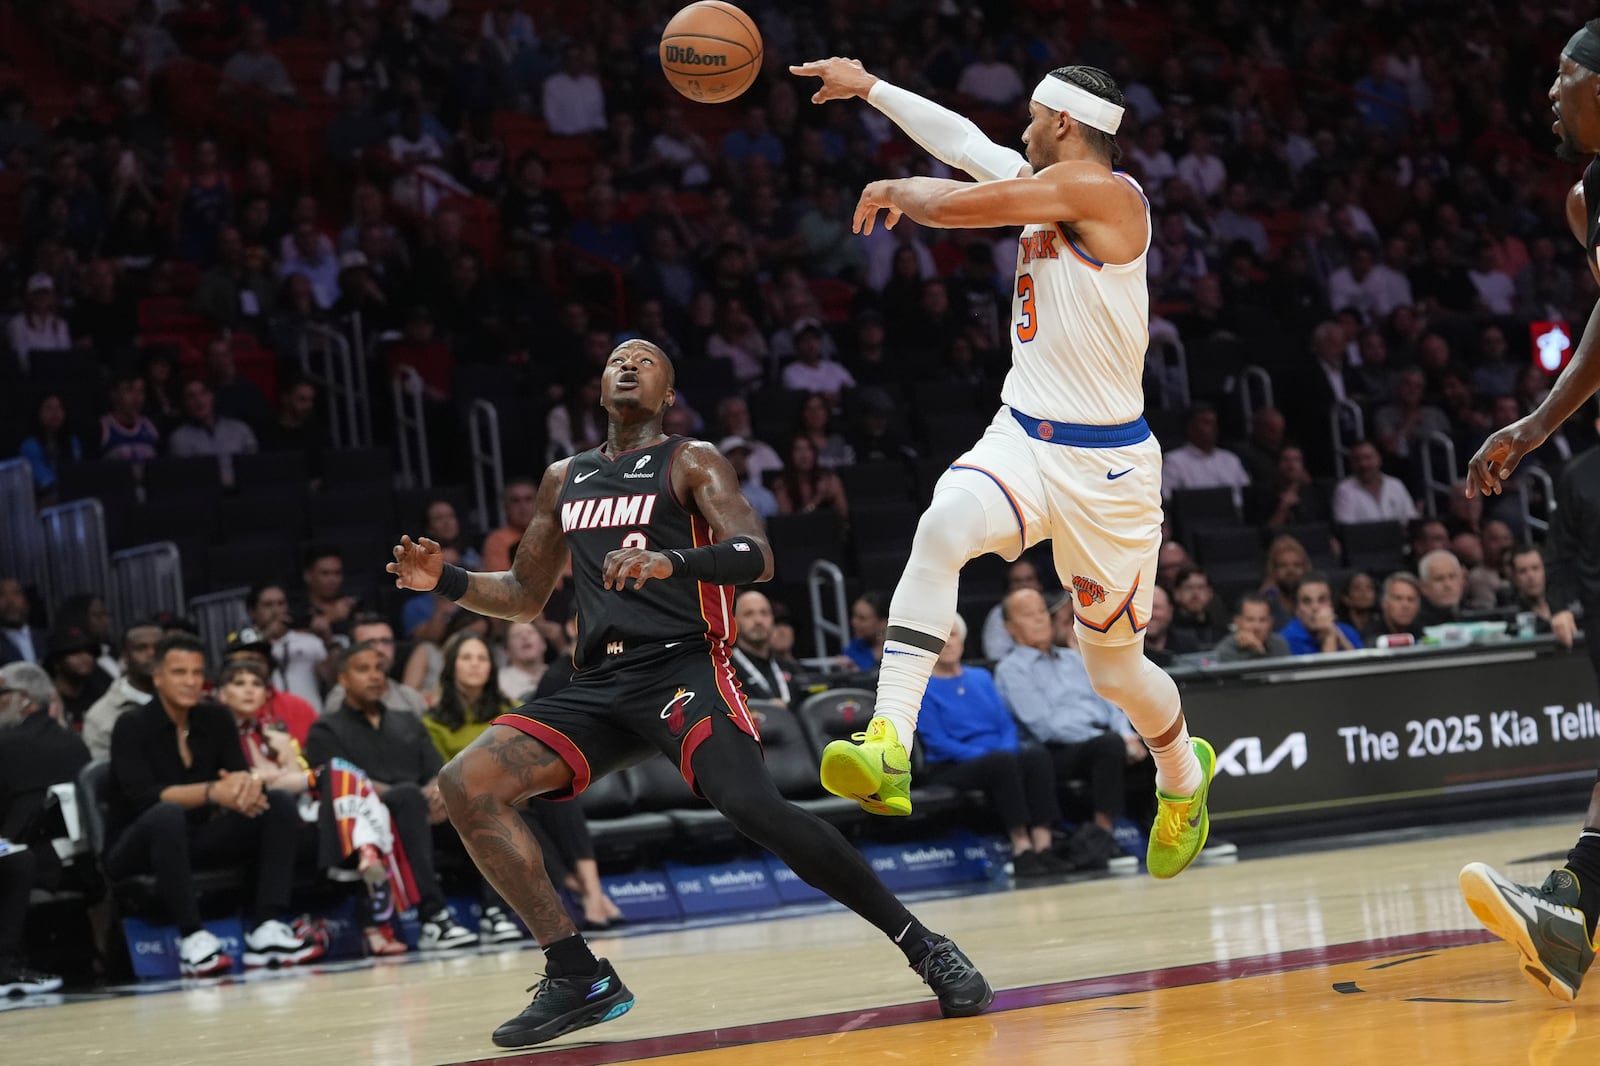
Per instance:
{"type": "Point", "coordinates": [954, 140]}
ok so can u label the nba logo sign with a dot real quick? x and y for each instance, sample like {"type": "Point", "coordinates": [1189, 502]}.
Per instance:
{"type": "Point", "coordinates": [1089, 592]}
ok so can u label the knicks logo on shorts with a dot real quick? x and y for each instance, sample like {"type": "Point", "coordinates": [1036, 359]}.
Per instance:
{"type": "Point", "coordinates": [1089, 592]}
{"type": "Point", "coordinates": [672, 713]}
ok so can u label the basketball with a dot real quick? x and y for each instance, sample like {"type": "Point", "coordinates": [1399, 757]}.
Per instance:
{"type": "Point", "coordinates": [711, 52]}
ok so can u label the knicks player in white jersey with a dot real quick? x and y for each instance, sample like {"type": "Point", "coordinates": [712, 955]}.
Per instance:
{"type": "Point", "coordinates": [1068, 457]}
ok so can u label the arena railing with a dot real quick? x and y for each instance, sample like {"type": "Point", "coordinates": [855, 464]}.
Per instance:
{"type": "Point", "coordinates": [76, 560]}
{"type": "Point", "coordinates": [1247, 395]}
{"type": "Point", "coordinates": [145, 581]}
{"type": "Point", "coordinates": [1168, 363]}
{"type": "Point", "coordinates": [488, 464]}
{"type": "Point", "coordinates": [1434, 444]}
{"type": "Point", "coordinates": [1345, 415]}
{"type": "Point", "coordinates": [1530, 521]}
{"type": "Point", "coordinates": [334, 372]}
{"type": "Point", "coordinates": [826, 580]}
{"type": "Point", "coordinates": [21, 549]}
{"type": "Point", "coordinates": [411, 430]}
{"type": "Point", "coordinates": [218, 614]}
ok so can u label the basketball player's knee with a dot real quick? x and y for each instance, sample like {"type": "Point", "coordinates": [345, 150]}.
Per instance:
{"type": "Point", "coordinates": [1117, 673]}
{"type": "Point", "coordinates": [951, 531]}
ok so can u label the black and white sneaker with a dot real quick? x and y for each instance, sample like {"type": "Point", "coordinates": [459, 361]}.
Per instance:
{"type": "Point", "coordinates": [562, 1004]}
{"type": "Point", "coordinates": [1544, 924]}
{"type": "Point", "coordinates": [200, 954]}
{"type": "Point", "coordinates": [19, 981]}
{"type": "Point", "coordinates": [496, 927]}
{"type": "Point", "coordinates": [441, 933]}
{"type": "Point", "coordinates": [274, 944]}
{"type": "Point", "coordinates": [962, 990]}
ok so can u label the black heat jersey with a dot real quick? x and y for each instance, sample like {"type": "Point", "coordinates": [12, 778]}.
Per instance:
{"type": "Point", "coordinates": [1591, 200]}
{"type": "Point", "coordinates": [628, 501]}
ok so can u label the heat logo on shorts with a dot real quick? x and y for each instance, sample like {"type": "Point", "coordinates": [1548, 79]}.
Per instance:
{"type": "Point", "coordinates": [1089, 592]}
{"type": "Point", "coordinates": [672, 713]}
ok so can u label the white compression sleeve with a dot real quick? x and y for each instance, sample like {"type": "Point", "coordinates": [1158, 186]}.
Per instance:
{"type": "Point", "coordinates": [951, 138]}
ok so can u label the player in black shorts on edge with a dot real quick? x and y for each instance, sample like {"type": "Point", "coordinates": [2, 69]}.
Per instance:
{"type": "Point", "coordinates": [659, 535]}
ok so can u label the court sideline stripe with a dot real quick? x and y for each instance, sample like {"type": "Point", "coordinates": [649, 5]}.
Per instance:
{"type": "Point", "coordinates": [597, 1053]}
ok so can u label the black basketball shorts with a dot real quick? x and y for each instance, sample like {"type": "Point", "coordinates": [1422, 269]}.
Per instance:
{"type": "Point", "coordinates": [655, 700]}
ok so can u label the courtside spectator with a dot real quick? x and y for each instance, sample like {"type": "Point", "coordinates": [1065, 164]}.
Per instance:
{"type": "Point", "coordinates": [1358, 601]}
{"type": "Point", "coordinates": [1315, 627]}
{"type": "Point", "coordinates": [1287, 563]}
{"type": "Point", "coordinates": [1400, 426]}
{"type": "Point", "coordinates": [1196, 624]}
{"type": "Point", "coordinates": [49, 445]}
{"type": "Point", "coordinates": [330, 607]}
{"type": "Point", "coordinates": [1022, 574]}
{"type": "Point", "coordinates": [132, 688]}
{"type": "Point", "coordinates": [525, 661]}
{"type": "Point", "coordinates": [282, 710]}
{"type": "Point", "coordinates": [574, 102]}
{"type": "Point", "coordinates": [804, 486]}
{"type": "Point", "coordinates": [1170, 559]}
{"type": "Point", "coordinates": [1252, 636]}
{"type": "Point", "coordinates": [1048, 692]}
{"type": "Point", "coordinates": [1201, 464]}
{"type": "Point", "coordinates": [761, 673]}
{"type": "Point", "coordinates": [297, 655]}
{"type": "Point", "coordinates": [394, 751]}
{"type": "Point", "coordinates": [375, 631]}
{"type": "Point", "coordinates": [38, 330]}
{"type": "Point", "coordinates": [20, 640]}
{"type": "Point", "coordinates": [869, 621]}
{"type": "Point", "coordinates": [1444, 586]}
{"type": "Point", "coordinates": [1398, 608]}
{"type": "Point", "coordinates": [733, 419]}
{"type": "Point", "coordinates": [207, 433]}
{"type": "Point", "coordinates": [1289, 496]}
{"type": "Point", "coordinates": [1428, 535]}
{"type": "Point", "coordinates": [441, 524]}
{"type": "Point", "coordinates": [1368, 494]}
{"type": "Point", "coordinates": [810, 372]}
{"type": "Point", "coordinates": [36, 753]}
{"type": "Point", "coordinates": [518, 497]}
{"type": "Point", "coordinates": [79, 682]}
{"type": "Point", "coordinates": [737, 451]}
{"type": "Point", "coordinates": [426, 661]}
{"type": "Point", "coordinates": [182, 795]}
{"type": "Point", "coordinates": [969, 740]}
{"type": "Point", "coordinates": [1156, 630]}
{"type": "Point", "coordinates": [1528, 581]}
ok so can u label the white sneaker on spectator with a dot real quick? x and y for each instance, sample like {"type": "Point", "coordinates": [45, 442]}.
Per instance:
{"type": "Point", "coordinates": [496, 927]}
{"type": "Point", "coordinates": [441, 933]}
{"type": "Point", "coordinates": [200, 954]}
{"type": "Point", "coordinates": [272, 943]}
{"type": "Point", "coordinates": [23, 982]}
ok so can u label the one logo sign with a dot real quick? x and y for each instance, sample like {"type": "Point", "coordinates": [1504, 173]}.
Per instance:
{"type": "Point", "coordinates": [1089, 592]}
{"type": "Point", "coordinates": [673, 712]}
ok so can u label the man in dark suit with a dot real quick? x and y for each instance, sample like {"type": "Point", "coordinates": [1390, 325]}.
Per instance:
{"type": "Point", "coordinates": [1325, 382]}
{"type": "Point", "coordinates": [19, 641]}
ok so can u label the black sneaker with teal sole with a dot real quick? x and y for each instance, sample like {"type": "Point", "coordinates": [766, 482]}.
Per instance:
{"type": "Point", "coordinates": [962, 990]}
{"type": "Point", "coordinates": [1544, 924]}
{"type": "Point", "coordinates": [563, 1004]}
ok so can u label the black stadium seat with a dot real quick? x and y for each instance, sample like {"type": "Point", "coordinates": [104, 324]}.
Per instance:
{"type": "Point", "coordinates": [620, 832]}
{"type": "Point", "coordinates": [792, 762]}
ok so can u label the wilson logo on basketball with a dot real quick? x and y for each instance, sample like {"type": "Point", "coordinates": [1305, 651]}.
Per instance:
{"type": "Point", "coordinates": [1089, 592]}
{"type": "Point", "coordinates": [686, 56]}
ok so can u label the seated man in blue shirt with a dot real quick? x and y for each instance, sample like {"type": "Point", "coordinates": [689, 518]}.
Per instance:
{"type": "Point", "coordinates": [970, 741]}
{"type": "Point", "coordinates": [1314, 627]}
{"type": "Point", "coordinates": [1049, 694]}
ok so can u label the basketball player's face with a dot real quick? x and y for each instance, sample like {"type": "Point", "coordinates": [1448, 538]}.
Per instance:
{"type": "Point", "coordinates": [1575, 100]}
{"type": "Point", "coordinates": [1038, 138]}
{"type": "Point", "coordinates": [637, 380]}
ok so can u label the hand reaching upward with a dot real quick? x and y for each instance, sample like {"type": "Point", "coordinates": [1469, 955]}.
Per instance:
{"type": "Point", "coordinates": [417, 564]}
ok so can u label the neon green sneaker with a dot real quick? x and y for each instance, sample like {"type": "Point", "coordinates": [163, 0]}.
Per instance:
{"type": "Point", "coordinates": [875, 771]}
{"type": "Point", "coordinates": [1182, 824]}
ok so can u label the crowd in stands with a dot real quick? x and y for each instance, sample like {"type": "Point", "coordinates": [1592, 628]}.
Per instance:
{"type": "Point", "coordinates": [1359, 200]}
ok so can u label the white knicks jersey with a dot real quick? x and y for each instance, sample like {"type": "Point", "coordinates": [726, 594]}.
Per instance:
{"type": "Point", "coordinates": [1079, 330]}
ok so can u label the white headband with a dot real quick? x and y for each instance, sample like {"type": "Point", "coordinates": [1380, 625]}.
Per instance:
{"type": "Point", "coordinates": [1080, 103]}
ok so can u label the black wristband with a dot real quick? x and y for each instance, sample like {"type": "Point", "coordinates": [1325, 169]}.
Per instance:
{"type": "Point", "coordinates": [733, 562]}
{"type": "Point", "coordinates": [452, 582]}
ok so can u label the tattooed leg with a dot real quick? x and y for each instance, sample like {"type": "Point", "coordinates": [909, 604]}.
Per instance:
{"type": "Point", "coordinates": [481, 787]}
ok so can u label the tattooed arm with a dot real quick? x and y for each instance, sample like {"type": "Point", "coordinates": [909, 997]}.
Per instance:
{"type": "Point", "coordinates": [518, 594]}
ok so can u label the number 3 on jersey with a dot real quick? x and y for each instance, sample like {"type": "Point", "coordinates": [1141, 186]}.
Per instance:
{"type": "Point", "coordinates": [1027, 319]}
{"type": "Point", "coordinates": [634, 540]}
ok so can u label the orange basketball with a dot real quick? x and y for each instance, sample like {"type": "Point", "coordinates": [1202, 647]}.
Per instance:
{"type": "Point", "coordinates": [711, 52]}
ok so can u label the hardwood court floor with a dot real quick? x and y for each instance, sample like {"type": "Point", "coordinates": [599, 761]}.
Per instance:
{"type": "Point", "coordinates": [1231, 964]}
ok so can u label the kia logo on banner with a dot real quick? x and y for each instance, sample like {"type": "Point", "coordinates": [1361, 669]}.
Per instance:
{"type": "Point", "coordinates": [1243, 757]}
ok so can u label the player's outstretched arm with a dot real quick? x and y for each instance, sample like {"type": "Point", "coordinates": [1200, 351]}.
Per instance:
{"type": "Point", "coordinates": [1506, 447]}
{"type": "Point", "coordinates": [1066, 192]}
{"type": "Point", "coordinates": [518, 594]}
{"type": "Point", "coordinates": [951, 138]}
{"type": "Point", "coordinates": [741, 555]}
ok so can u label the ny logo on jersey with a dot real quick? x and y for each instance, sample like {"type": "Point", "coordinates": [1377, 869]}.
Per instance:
{"type": "Point", "coordinates": [1038, 245]}
{"type": "Point", "coordinates": [639, 469]}
{"type": "Point", "coordinates": [607, 512]}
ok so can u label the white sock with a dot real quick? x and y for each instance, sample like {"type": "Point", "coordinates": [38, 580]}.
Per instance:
{"type": "Point", "coordinates": [902, 682]}
{"type": "Point", "coordinates": [1178, 771]}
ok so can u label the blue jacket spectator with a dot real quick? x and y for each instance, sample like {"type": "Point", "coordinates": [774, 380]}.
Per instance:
{"type": "Point", "coordinates": [1314, 628]}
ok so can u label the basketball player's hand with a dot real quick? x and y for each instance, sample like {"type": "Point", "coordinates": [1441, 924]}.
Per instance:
{"type": "Point", "coordinates": [417, 564]}
{"type": "Point", "coordinates": [875, 196]}
{"type": "Point", "coordinates": [841, 78]}
{"type": "Point", "coordinates": [1564, 627]}
{"type": "Point", "coordinates": [1500, 455]}
{"type": "Point", "coordinates": [637, 564]}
